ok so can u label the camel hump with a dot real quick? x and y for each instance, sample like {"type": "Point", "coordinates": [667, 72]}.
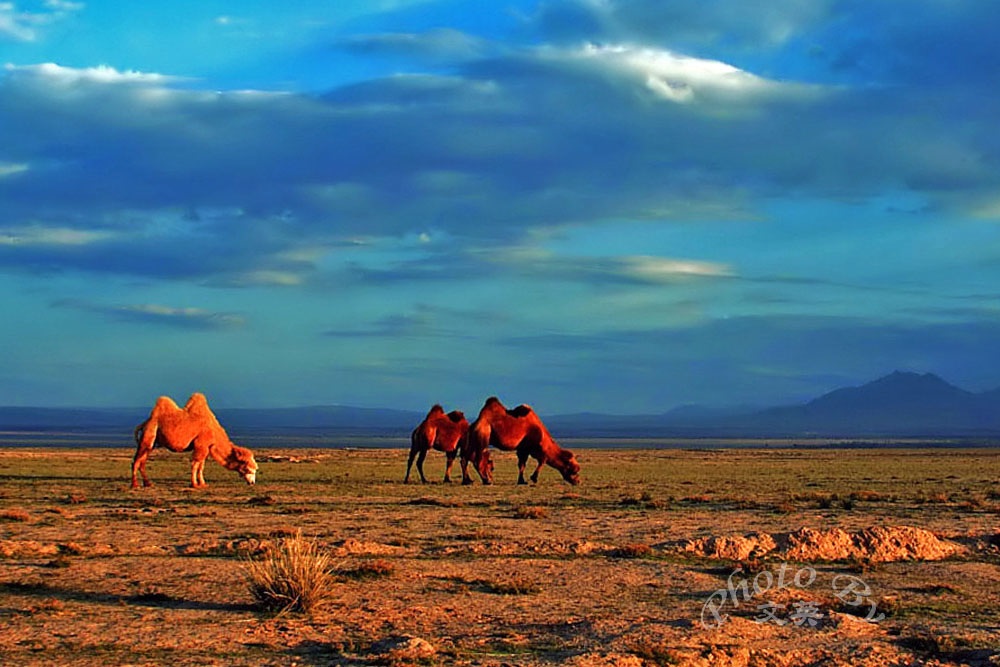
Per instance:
{"type": "Point", "coordinates": [436, 409]}
{"type": "Point", "coordinates": [456, 416]}
{"type": "Point", "coordinates": [197, 399]}
{"type": "Point", "coordinates": [492, 400]}
{"type": "Point", "coordinates": [166, 402]}
{"type": "Point", "coordinates": [520, 411]}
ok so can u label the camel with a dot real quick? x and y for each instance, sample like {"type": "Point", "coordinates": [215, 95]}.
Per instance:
{"type": "Point", "coordinates": [518, 430]}
{"type": "Point", "coordinates": [195, 428]}
{"type": "Point", "coordinates": [440, 431]}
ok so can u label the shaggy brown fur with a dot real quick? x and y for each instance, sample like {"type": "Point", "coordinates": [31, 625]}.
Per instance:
{"type": "Point", "coordinates": [443, 432]}
{"type": "Point", "coordinates": [195, 428]}
{"type": "Point", "coordinates": [519, 429]}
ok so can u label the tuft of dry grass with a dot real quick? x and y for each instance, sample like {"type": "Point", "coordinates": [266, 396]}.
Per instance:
{"type": "Point", "coordinates": [295, 575]}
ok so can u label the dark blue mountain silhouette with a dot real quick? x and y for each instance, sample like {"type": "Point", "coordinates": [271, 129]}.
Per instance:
{"type": "Point", "coordinates": [901, 404]}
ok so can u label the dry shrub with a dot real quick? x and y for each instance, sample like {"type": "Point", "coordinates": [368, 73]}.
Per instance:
{"type": "Point", "coordinates": [784, 507]}
{"type": "Point", "coordinates": [936, 498]}
{"type": "Point", "coordinates": [295, 575]}
{"type": "Point", "coordinates": [370, 569]}
{"type": "Point", "coordinates": [282, 531]}
{"type": "Point", "coordinates": [530, 512]}
{"type": "Point", "coordinates": [636, 550]}
{"type": "Point", "coordinates": [71, 549]}
{"type": "Point", "coordinates": [15, 515]}
{"type": "Point", "coordinates": [869, 496]}
{"type": "Point", "coordinates": [512, 585]}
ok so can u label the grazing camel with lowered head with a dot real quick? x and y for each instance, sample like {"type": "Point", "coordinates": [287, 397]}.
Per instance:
{"type": "Point", "coordinates": [519, 430]}
{"type": "Point", "coordinates": [195, 428]}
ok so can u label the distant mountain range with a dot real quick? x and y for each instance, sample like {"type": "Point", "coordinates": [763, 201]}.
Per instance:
{"type": "Point", "coordinates": [898, 405]}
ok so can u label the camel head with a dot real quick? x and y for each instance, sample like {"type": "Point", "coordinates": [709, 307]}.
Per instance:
{"type": "Point", "coordinates": [569, 467]}
{"type": "Point", "coordinates": [485, 467]}
{"type": "Point", "coordinates": [243, 462]}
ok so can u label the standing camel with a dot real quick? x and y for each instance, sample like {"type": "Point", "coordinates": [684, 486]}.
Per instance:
{"type": "Point", "coordinates": [443, 432]}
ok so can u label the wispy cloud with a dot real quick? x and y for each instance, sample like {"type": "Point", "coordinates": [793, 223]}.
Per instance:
{"type": "Point", "coordinates": [50, 236]}
{"type": "Point", "coordinates": [27, 26]}
{"type": "Point", "coordinates": [184, 318]}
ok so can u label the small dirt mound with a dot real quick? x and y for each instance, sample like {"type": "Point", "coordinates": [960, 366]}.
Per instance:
{"type": "Point", "coordinates": [880, 544]}
{"type": "Point", "coordinates": [877, 544]}
{"type": "Point", "coordinates": [732, 547]}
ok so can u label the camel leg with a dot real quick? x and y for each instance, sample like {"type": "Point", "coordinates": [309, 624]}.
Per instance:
{"type": "Point", "coordinates": [448, 464]}
{"type": "Point", "coordinates": [420, 465]}
{"type": "Point", "coordinates": [464, 463]}
{"type": "Point", "coordinates": [522, 461]}
{"type": "Point", "coordinates": [409, 464]}
{"type": "Point", "coordinates": [534, 475]}
{"type": "Point", "coordinates": [144, 447]}
{"type": "Point", "coordinates": [199, 455]}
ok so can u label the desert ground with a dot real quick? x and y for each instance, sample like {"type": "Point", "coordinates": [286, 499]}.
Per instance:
{"type": "Point", "coordinates": [845, 557]}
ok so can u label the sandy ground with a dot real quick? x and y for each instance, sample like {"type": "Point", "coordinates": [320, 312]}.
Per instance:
{"type": "Point", "coordinates": [847, 557]}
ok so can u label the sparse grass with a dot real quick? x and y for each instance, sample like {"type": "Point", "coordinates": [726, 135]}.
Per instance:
{"type": "Point", "coordinates": [869, 496]}
{"type": "Point", "coordinates": [466, 579]}
{"type": "Point", "coordinates": [293, 576]}
{"type": "Point", "coordinates": [434, 502]}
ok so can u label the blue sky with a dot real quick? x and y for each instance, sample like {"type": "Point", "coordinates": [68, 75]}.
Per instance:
{"type": "Point", "coordinates": [607, 205]}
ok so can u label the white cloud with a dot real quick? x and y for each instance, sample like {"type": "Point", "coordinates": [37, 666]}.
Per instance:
{"type": "Point", "coordinates": [65, 5]}
{"type": "Point", "coordinates": [99, 74]}
{"type": "Point", "coordinates": [23, 26]}
{"type": "Point", "coordinates": [50, 236]}
{"type": "Point", "coordinates": [15, 25]}
{"type": "Point", "coordinates": [663, 269]}
{"type": "Point", "coordinates": [679, 78]}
